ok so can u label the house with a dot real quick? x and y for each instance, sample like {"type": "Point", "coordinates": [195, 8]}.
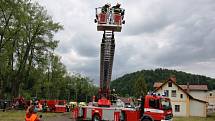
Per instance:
{"type": "Point", "coordinates": [183, 103]}
{"type": "Point", "coordinates": [197, 91]}
{"type": "Point", "coordinates": [211, 101]}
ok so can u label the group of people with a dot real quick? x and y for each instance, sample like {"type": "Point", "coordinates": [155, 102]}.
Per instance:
{"type": "Point", "coordinates": [110, 11]}
{"type": "Point", "coordinates": [116, 9]}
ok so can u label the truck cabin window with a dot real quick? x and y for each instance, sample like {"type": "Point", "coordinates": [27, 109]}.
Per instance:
{"type": "Point", "coordinates": [154, 103]}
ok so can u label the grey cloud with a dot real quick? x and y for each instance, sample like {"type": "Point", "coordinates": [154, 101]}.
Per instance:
{"type": "Point", "coordinates": [85, 46]}
{"type": "Point", "coordinates": [91, 68]}
{"type": "Point", "coordinates": [169, 34]}
{"type": "Point", "coordinates": [193, 43]}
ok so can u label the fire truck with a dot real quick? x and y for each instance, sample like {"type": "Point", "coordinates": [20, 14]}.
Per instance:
{"type": "Point", "coordinates": [151, 107]}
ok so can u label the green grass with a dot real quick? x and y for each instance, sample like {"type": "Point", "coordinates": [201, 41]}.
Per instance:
{"type": "Point", "coordinates": [209, 118]}
{"type": "Point", "coordinates": [20, 115]}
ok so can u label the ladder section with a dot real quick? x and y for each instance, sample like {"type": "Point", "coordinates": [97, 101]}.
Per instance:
{"type": "Point", "coordinates": [106, 63]}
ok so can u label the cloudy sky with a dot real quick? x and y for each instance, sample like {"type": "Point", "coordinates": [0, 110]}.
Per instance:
{"type": "Point", "coordinates": [173, 34]}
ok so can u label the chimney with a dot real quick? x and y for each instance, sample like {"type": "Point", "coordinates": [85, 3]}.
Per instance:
{"type": "Point", "coordinates": [173, 78]}
{"type": "Point", "coordinates": [188, 87]}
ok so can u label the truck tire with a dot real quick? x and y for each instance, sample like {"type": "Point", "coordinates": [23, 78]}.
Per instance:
{"type": "Point", "coordinates": [96, 117]}
{"type": "Point", "coordinates": [146, 119]}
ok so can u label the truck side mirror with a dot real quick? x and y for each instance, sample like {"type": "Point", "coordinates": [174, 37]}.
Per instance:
{"type": "Point", "coordinates": [95, 20]}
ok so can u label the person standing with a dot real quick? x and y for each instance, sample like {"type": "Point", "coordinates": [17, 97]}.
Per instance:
{"type": "Point", "coordinates": [117, 9]}
{"type": "Point", "coordinates": [4, 106]}
{"type": "Point", "coordinates": [31, 115]}
{"type": "Point", "coordinates": [105, 8]}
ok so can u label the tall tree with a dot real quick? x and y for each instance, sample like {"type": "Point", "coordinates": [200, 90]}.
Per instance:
{"type": "Point", "coordinates": [28, 64]}
{"type": "Point", "coordinates": [140, 87]}
{"type": "Point", "coordinates": [26, 36]}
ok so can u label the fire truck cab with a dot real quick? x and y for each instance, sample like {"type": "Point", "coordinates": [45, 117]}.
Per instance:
{"type": "Point", "coordinates": [156, 108]}
{"type": "Point", "coordinates": [109, 20]}
{"type": "Point", "coordinates": [152, 108]}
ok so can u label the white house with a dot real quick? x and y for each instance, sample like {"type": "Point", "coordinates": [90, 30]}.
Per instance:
{"type": "Point", "coordinates": [211, 101]}
{"type": "Point", "coordinates": [183, 103]}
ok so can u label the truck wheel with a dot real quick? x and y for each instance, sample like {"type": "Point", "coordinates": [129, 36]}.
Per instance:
{"type": "Point", "coordinates": [96, 117]}
{"type": "Point", "coordinates": [145, 120]}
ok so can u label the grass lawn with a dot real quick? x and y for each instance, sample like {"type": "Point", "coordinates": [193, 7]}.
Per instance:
{"type": "Point", "coordinates": [209, 118]}
{"type": "Point", "coordinates": [20, 115]}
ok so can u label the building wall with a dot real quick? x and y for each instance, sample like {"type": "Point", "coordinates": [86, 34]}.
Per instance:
{"type": "Point", "coordinates": [183, 108]}
{"type": "Point", "coordinates": [210, 98]}
{"type": "Point", "coordinates": [197, 108]}
{"type": "Point", "coordinates": [201, 95]}
{"type": "Point", "coordinates": [182, 102]}
{"type": "Point", "coordinates": [211, 101]}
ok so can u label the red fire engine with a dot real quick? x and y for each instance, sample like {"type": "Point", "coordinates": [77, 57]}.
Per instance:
{"type": "Point", "coordinates": [152, 107]}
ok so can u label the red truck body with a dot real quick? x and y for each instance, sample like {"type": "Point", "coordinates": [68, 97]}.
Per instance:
{"type": "Point", "coordinates": [156, 108]}
{"type": "Point", "coordinates": [58, 106]}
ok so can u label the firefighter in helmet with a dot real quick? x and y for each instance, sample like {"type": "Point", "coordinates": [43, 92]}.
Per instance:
{"type": "Point", "coordinates": [117, 9]}
{"type": "Point", "coordinates": [105, 8]}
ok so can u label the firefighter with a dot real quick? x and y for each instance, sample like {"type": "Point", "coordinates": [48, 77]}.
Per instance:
{"type": "Point", "coordinates": [113, 96]}
{"type": "Point", "coordinates": [31, 115]}
{"type": "Point", "coordinates": [142, 99]}
{"type": "Point", "coordinates": [117, 9]}
{"type": "Point", "coordinates": [105, 8]}
{"type": "Point", "coordinates": [4, 106]}
{"type": "Point", "coordinates": [44, 107]}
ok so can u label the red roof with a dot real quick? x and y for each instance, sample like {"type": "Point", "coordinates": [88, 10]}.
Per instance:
{"type": "Point", "coordinates": [195, 87]}
{"type": "Point", "coordinates": [184, 87]}
{"type": "Point", "coordinates": [157, 84]}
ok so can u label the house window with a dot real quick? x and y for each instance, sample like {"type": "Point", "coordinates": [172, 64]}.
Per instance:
{"type": "Point", "coordinates": [166, 92]}
{"type": "Point", "coordinates": [181, 95]}
{"type": "Point", "coordinates": [153, 103]}
{"type": "Point", "coordinates": [210, 94]}
{"type": "Point", "coordinates": [169, 84]}
{"type": "Point", "coordinates": [177, 108]}
{"type": "Point", "coordinates": [173, 93]}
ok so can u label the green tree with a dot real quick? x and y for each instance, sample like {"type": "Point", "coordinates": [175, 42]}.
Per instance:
{"type": "Point", "coordinates": [28, 64]}
{"type": "Point", "coordinates": [140, 88]}
{"type": "Point", "coordinates": [26, 36]}
{"type": "Point", "coordinates": [124, 84]}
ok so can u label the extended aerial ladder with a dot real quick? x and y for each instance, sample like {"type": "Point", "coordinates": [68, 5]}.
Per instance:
{"type": "Point", "coordinates": [108, 22]}
{"type": "Point", "coordinates": [106, 63]}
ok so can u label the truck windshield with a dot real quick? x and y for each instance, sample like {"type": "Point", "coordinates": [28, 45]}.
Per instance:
{"type": "Point", "coordinates": [165, 104]}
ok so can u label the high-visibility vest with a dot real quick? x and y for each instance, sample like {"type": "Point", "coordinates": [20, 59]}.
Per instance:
{"type": "Point", "coordinates": [33, 117]}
